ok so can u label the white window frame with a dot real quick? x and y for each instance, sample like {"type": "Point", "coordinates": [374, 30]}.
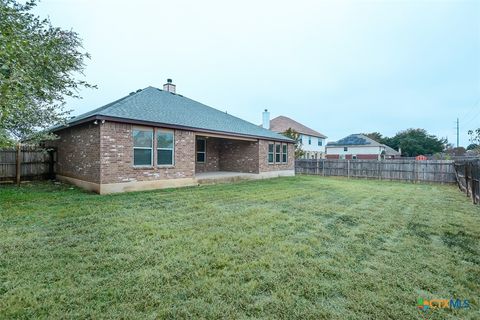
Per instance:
{"type": "Point", "coordinates": [309, 140]}
{"type": "Point", "coordinates": [279, 153]}
{"type": "Point", "coordinates": [143, 148]}
{"type": "Point", "coordinates": [172, 148]}
{"type": "Point", "coordinates": [284, 153]}
{"type": "Point", "coordinates": [272, 153]}
{"type": "Point", "coordinates": [320, 142]}
{"type": "Point", "coordinates": [204, 152]}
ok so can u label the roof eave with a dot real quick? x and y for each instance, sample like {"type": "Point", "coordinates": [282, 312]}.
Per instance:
{"type": "Point", "coordinates": [166, 125]}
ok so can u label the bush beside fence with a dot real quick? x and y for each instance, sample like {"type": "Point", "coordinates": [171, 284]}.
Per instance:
{"type": "Point", "coordinates": [441, 171]}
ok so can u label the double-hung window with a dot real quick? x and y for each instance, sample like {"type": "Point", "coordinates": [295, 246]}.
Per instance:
{"type": "Point", "coordinates": [278, 153]}
{"type": "Point", "coordinates": [284, 153]}
{"type": "Point", "coordinates": [165, 147]}
{"type": "Point", "coordinates": [309, 140]}
{"type": "Point", "coordinates": [271, 149]}
{"type": "Point", "coordinates": [142, 147]}
{"type": "Point", "coordinates": [320, 142]}
{"type": "Point", "coordinates": [201, 149]}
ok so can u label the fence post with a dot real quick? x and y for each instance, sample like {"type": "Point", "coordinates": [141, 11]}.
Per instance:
{"type": "Point", "coordinates": [415, 171]}
{"type": "Point", "coordinates": [466, 177]}
{"type": "Point", "coordinates": [474, 191]}
{"type": "Point", "coordinates": [18, 163]}
{"type": "Point", "coordinates": [51, 164]}
{"type": "Point", "coordinates": [348, 169]}
{"type": "Point", "coordinates": [323, 167]}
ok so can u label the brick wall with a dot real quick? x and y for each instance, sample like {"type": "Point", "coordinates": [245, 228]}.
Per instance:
{"type": "Point", "coordinates": [117, 156]}
{"type": "Point", "coordinates": [363, 156]}
{"type": "Point", "coordinates": [103, 153]}
{"type": "Point", "coordinates": [78, 152]}
{"type": "Point", "coordinates": [264, 166]}
{"type": "Point", "coordinates": [212, 156]}
{"type": "Point", "coordinates": [349, 156]}
{"type": "Point", "coordinates": [332, 156]}
{"type": "Point", "coordinates": [239, 156]}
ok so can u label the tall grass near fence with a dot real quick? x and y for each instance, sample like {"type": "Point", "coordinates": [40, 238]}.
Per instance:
{"type": "Point", "coordinates": [441, 171]}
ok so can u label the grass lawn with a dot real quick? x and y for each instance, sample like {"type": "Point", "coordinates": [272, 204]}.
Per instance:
{"type": "Point", "coordinates": [300, 247]}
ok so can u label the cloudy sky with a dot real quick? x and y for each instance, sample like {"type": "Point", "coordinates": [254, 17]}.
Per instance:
{"type": "Point", "coordinates": [339, 67]}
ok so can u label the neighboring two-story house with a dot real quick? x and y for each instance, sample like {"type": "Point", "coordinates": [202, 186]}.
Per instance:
{"type": "Point", "coordinates": [312, 142]}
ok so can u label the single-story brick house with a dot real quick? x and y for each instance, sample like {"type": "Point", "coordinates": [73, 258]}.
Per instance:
{"type": "Point", "coordinates": [359, 146]}
{"type": "Point", "coordinates": [156, 138]}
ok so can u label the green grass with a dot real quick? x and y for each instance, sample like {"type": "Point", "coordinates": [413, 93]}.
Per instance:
{"type": "Point", "coordinates": [300, 247]}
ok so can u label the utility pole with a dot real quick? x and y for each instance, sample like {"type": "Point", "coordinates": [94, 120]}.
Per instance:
{"type": "Point", "coordinates": [458, 133]}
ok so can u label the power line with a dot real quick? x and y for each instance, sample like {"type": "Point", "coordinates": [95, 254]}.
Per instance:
{"type": "Point", "coordinates": [473, 118]}
{"type": "Point", "coordinates": [472, 108]}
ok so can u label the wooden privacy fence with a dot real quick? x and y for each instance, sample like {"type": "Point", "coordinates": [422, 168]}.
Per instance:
{"type": "Point", "coordinates": [26, 163]}
{"type": "Point", "coordinates": [441, 171]}
{"type": "Point", "coordinates": [468, 177]}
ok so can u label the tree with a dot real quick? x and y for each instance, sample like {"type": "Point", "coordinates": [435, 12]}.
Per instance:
{"type": "Point", "coordinates": [377, 136]}
{"type": "Point", "coordinates": [474, 136]}
{"type": "Point", "coordinates": [414, 142]}
{"type": "Point", "coordinates": [39, 65]}
{"type": "Point", "coordinates": [473, 146]}
{"type": "Point", "coordinates": [294, 135]}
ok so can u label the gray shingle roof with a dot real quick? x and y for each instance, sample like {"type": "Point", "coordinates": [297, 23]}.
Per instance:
{"type": "Point", "coordinates": [361, 140]}
{"type": "Point", "coordinates": [282, 124]}
{"type": "Point", "coordinates": [354, 140]}
{"type": "Point", "coordinates": [162, 107]}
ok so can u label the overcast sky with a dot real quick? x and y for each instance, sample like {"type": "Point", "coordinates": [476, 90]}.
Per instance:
{"type": "Point", "coordinates": [339, 67]}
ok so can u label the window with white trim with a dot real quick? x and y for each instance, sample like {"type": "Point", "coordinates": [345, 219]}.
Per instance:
{"type": "Point", "coordinates": [142, 147]}
{"type": "Point", "coordinates": [201, 149]}
{"type": "Point", "coordinates": [284, 153]}
{"type": "Point", "coordinates": [309, 140]}
{"type": "Point", "coordinates": [165, 147]}
{"type": "Point", "coordinates": [320, 142]}
{"type": "Point", "coordinates": [278, 153]}
{"type": "Point", "coordinates": [271, 149]}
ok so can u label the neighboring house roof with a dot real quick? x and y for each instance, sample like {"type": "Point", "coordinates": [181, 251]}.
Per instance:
{"type": "Point", "coordinates": [360, 140]}
{"type": "Point", "coordinates": [282, 124]}
{"type": "Point", "coordinates": [391, 151]}
{"type": "Point", "coordinates": [155, 106]}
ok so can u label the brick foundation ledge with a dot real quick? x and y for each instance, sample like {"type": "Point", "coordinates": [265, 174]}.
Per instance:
{"type": "Point", "coordinates": [107, 188]}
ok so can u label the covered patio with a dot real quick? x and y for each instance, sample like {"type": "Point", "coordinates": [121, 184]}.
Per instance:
{"type": "Point", "coordinates": [224, 156]}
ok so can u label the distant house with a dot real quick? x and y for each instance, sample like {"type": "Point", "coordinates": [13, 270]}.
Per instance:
{"type": "Point", "coordinates": [359, 146]}
{"type": "Point", "coordinates": [157, 138]}
{"type": "Point", "coordinates": [312, 142]}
